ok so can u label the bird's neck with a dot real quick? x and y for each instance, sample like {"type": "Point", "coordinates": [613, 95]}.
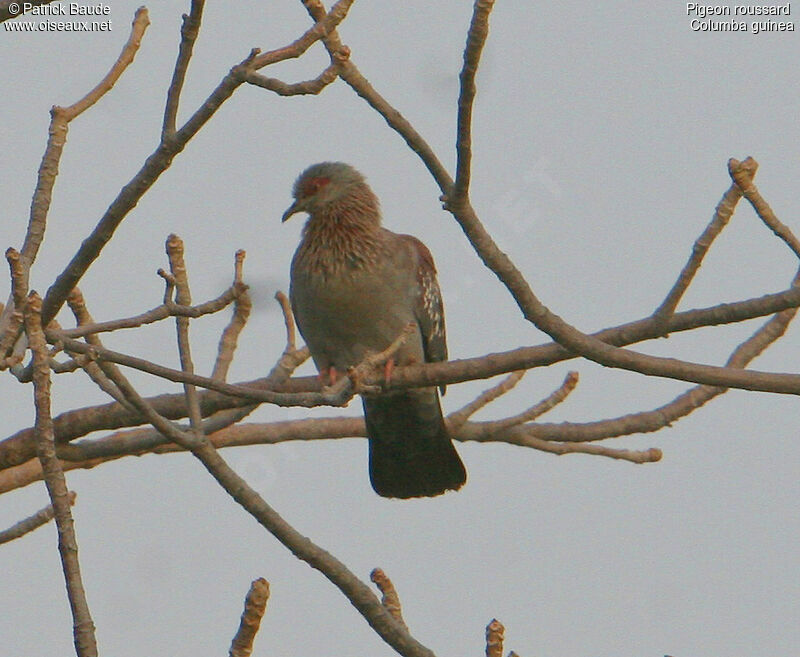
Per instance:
{"type": "Point", "coordinates": [346, 234]}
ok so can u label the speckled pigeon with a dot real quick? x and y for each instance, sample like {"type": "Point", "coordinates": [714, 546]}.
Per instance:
{"type": "Point", "coordinates": [354, 287]}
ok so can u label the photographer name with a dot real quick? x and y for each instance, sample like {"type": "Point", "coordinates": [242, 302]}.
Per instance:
{"type": "Point", "coordinates": [71, 9]}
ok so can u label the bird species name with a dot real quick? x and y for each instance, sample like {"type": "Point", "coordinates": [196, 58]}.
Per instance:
{"type": "Point", "coordinates": [701, 10]}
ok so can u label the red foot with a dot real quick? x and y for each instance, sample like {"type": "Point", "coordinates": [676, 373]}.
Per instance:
{"type": "Point", "coordinates": [388, 368]}
{"type": "Point", "coordinates": [328, 377]}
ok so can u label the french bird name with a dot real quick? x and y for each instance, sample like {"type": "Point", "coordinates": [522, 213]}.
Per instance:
{"type": "Point", "coordinates": [71, 9]}
{"type": "Point", "coordinates": [703, 18]}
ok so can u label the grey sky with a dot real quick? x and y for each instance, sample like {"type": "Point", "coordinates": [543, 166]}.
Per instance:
{"type": "Point", "coordinates": [602, 133]}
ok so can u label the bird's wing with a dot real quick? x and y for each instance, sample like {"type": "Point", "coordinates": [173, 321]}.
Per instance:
{"type": "Point", "coordinates": [428, 306]}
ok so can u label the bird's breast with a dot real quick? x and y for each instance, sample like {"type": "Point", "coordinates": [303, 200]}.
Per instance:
{"type": "Point", "coordinates": [350, 311]}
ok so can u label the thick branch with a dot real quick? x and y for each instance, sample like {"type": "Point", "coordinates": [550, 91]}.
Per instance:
{"type": "Point", "coordinates": [83, 627]}
{"type": "Point", "coordinates": [19, 447]}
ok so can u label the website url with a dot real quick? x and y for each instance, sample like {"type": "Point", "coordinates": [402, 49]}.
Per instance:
{"type": "Point", "coordinates": [57, 26]}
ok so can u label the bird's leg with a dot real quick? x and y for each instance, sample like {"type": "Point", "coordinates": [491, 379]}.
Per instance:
{"type": "Point", "coordinates": [388, 368]}
{"type": "Point", "coordinates": [328, 376]}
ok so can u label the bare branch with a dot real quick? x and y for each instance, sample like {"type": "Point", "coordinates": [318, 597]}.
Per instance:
{"type": "Point", "coordinates": [308, 87]}
{"type": "Point", "coordinates": [162, 157]}
{"type": "Point", "coordinates": [533, 310]}
{"type": "Point", "coordinates": [288, 320]}
{"type": "Point", "coordinates": [352, 76]}
{"type": "Point", "coordinates": [164, 311]}
{"type": "Point", "coordinates": [230, 336]}
{"type": "Point", "coordinates": [722, 214]}
{"type": "Point", "coordinates": [77, 305]}
{"type": "Point", "coordinates": [540, 408]}
{"type": "Point", "coordinates": [140, 22]}
{"type": "Point", "coordinates": [389, 598]}
{"type": "Point", "coordinates": [12, 314]}
{"type": "Point", "coordinates": [742, 173]}
{"type": "Point", "coordinates": [459, 417]}
{"type": "Point", "coordinates": [38, 519]}
{"type": "Point", "coordinates": [20, 447]}
{"type": "Point", "coordinates": [177, 267]}
{"type": "Point", "coordinates": [476, 38]}
{"type": "Point", "coordinates": [254, 606]}
{"type": "Point", "coordinates": [190, 28]}
{"type": "Point", "coordinates": [83, 627]}
{"type": "Point", "coordinates": [537, 436]}
{"type": "Point", "coordinates": [495, 633]}
{"type": "Point", "coordinates": [48, 170]}
{"type": "Point", "coordinates": [338, 396]}
{"type": "Point", "coordinates": [324, 25]}
{"type": "Point", "coordinates": [526, 435]}
{"type": "Point", "coordinates": [646, 421]}
{"type": "Point", "coordinates": [220, 428]}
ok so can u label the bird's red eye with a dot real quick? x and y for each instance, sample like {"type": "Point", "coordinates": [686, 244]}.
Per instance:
{"type": "Point", "coordinates": [313, 185]}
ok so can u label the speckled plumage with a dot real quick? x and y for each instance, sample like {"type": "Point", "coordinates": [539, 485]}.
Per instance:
{"type": "Point", "coordinates": [354, 286]}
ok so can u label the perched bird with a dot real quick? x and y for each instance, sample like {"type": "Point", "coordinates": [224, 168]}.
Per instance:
{"type": "Point", "coordinates": [354, 287]}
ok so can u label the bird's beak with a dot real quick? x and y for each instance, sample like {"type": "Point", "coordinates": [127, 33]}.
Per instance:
{"type": "Point", "coordinates": [294, 208]}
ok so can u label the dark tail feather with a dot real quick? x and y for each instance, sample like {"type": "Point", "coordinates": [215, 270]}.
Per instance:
{"type": "Point", "coordinates": [410, 452]}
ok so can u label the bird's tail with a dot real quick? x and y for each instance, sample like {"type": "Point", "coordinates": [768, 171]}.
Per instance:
{"type": "Point", "coordinates": [410, 452]}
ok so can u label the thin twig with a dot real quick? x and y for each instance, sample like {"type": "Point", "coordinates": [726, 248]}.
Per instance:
{"type": "Point", "coordinates": [83, 627]}
{"type": "Point", "coordinates": [141, 20]}
{"type": "Point", "coordinates": [288, 320]}
{"type": "Point", "coordinates": [183, 296]}
{"type": "Point", "coordinates": [38, 519]}
{"type": "Point", "coordinates": [230, 335]}
{"type": "Point", "coordinates": [476, 38]}
{"type": "Point", "coordinates": [542, 407]}
{"type": "Point", "coordinates": [13, 312]}
{"type": "Point", "coordinates": [524, 436]}
{"type": "Point", "coordinates": [459, 417]}
{"type": "Point", "coordinates": [353, 77]}
{"type": "Point", "coordinates": [742, 174]}
{"type": "Point", "coordinates": [189, 31]}
{"type": "Point", "coordinates": [77, 305]}
{"type": "Point", "coordinates": [157, 314]}
{"type": "Point", "coordinates": [495, 633]}
{"type": "Point", "coordinates": [722, 214]}
{"type": "Point", "coordinates": [389, 598]}
{"type": "Point", "coordinates": [254, 606]}
{"type": "Point", "coordinates": [308, 87]}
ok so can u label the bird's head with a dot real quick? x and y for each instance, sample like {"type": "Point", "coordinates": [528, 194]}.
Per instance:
{"type": "Point", "coordinates": [322, 184]}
